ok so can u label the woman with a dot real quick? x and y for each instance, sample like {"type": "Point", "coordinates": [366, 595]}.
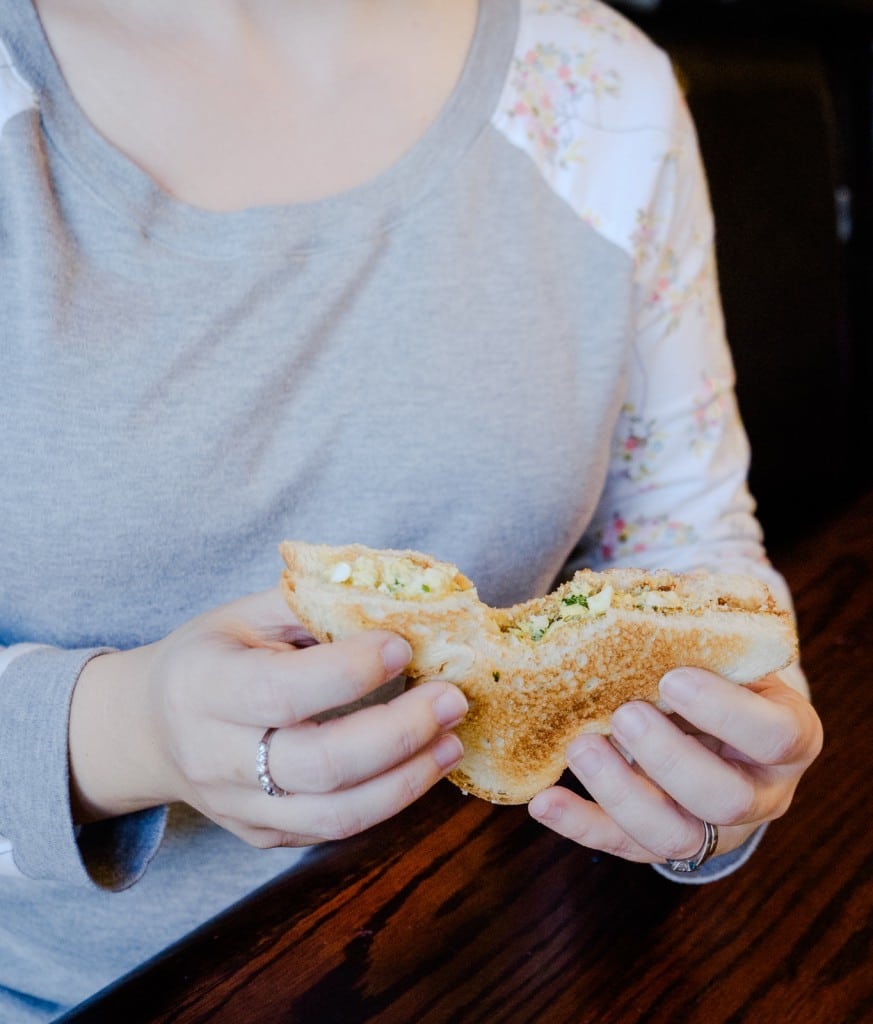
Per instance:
{"type": "Point", "coordinates": [415, 275]}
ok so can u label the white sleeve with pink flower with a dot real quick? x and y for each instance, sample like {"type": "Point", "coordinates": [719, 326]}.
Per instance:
{"type": "Point", "coordinates": [597, 107]}
{"type": "Point", "coordinates": [676, 490]}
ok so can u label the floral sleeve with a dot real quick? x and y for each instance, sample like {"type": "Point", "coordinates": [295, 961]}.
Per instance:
{"type": "Point", "coordinates": [676, 490]}
{"type": "Point", "coordinates": [676, 493]}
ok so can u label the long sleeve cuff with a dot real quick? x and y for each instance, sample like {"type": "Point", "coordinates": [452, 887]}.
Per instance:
{"type": "Point", "coordinates": [35, 810]}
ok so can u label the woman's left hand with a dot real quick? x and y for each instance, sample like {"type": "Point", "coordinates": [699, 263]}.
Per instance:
{"type": "Point", "coordinates": [731, 755]}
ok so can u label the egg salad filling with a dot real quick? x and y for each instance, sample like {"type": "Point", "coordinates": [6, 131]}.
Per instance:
{"type": "Point", "coordinates": [581, 601]}
{"type": "Point", "coordinates": [400, 577]}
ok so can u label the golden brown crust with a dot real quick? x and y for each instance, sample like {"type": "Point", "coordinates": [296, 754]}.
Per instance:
{"type": "Point", "coordinates": [529, 697]}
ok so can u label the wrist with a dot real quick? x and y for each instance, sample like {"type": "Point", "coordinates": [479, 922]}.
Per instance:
{"type": "Point", "coordinates": [114, 754]}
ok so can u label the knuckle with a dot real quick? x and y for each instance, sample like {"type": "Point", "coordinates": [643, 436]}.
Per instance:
{"type": "Point", "coordinates": [346, 825]}
{"type": "Point", "coordinates": [406, 744]}
{"type": "Point", "coordinates": [337, 823]}
{"type": "Point", "coordinates": [399, 731]}
{"type": "Point", "coordinates": [263, 839]}
{"type": "Point", "coordinates": [669, 763]}
{"type": "Point", "coordinates": [800, 737]}
{"type": "Point", "coordinates": [684, 842]}
{"type": "Point", "coordinates": [816, 737]}
{"type": "Point", "coordinates": [290, 839]}
{"type": "Point", "coordinates": [621, 795]}
{"type": "Point", "coordinates": [322, 771]}
{"type": "Point", "coordinates": [360, 664]}
{"type": "Point", "coordinates": [581, 832]}
{"type": "Point", "coordinates": [290, 713]}
{"type": "Point", "coordinates": [307, 760]}
{"type": "Point", "coordinates": [781, 805]}
{"type": "Point", "coordinates": [739, 804]}
{"type": "Point", "coordinates": [413, 785]}
{"type": "Point", "coordinates": [786, 744]}
{"type": "Point", "coordinates": [627, 849]}
{"type": "Point", "coordinates": [270, 839]}
{"type": "Point", "coordinates": [273, 698]}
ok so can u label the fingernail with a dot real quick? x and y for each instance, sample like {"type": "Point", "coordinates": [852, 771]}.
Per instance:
{"type": "Point", "coordinates": [396, 655]}
{"type": "Point", "coordinates": [542, 808]}
{"type": "Point", "coordinates": [449, 708]}
{"type": "Point", "coordinates": [630, 721]}
{"type": "Point", "coordinates": [584, 759]}
{"type": "Point", "coordinates": [448, 751]}
{"type": "Point", "coordinates": [680, 686]}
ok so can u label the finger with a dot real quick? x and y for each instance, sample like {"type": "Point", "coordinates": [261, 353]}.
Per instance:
{"type": "Point", "coordinates": [640, 809]}
{"type": "Point", "coordinates": [691, 773]}
{"type": "Point", "coordinates": [328, 756]}
{"type": "Point", "coordinates": [279, 688]}
{"type": "Point", "coordinates": [316, 817]}
{"type": "Point", "coordinates": [585, 823]}
{"type": "Point", "coordinates": [767, 723]}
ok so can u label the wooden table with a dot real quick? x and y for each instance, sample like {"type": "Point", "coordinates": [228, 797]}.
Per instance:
{"type": "Point", "coordinates": [459, 911]}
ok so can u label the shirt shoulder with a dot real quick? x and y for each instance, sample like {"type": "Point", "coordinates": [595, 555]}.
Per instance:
{"type": "Point", "coordinates": [584, 53]}
{"type": "Point", "coordinates": [595, 104]}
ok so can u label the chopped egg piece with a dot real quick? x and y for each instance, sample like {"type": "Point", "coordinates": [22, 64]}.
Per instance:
{"type": "Point", "coordinates": [599, 603]}
{"type": "Point", "coordinates": [342, 572]}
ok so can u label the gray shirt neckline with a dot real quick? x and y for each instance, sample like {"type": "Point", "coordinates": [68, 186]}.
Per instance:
{"type": "Point", "coordinates": [335, 221]}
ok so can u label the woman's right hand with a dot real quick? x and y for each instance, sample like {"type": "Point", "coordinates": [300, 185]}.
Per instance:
{"type": "Point", "coordinates": [181, 719]}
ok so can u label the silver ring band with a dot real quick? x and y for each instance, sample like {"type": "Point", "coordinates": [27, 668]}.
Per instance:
{"type": "Point", "coordinates": [707, 849]}
{"type": "Point", "coordinates": [263, 764]}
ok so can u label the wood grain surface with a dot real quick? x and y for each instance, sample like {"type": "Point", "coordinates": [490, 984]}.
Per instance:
{"type": "Point", "coordinates": [459, 911]}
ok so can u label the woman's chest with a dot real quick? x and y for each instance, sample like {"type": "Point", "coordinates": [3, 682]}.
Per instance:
{"type": "Point", "coordinates": [168, 420]}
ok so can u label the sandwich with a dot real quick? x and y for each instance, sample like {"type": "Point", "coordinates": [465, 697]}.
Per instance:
{"type": "Point", "coordinates": [537, 674]}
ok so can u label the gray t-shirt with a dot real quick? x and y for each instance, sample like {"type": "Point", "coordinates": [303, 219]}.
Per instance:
{"type": "Point", "coordinates": [464, 356]}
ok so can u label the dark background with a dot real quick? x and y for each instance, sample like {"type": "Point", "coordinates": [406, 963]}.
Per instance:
{"type": "Point", "coordinates": [782, 96]}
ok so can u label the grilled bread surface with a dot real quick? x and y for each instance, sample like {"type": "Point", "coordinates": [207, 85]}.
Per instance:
{"type": "Point", "coordinates": [539, 673]}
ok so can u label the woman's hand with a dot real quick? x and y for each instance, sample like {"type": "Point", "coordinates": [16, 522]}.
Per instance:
{"type": "Point", "coordinates": [732, 755]}
{"type": "Point", "coordinates": [182, 718]}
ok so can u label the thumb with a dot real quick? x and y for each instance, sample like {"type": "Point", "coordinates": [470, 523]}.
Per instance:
{"type": "Point", "coordinates": [264, 619]}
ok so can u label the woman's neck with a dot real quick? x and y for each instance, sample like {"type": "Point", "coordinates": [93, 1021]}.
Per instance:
{"type": "Point", "coordinates": [229, 104]}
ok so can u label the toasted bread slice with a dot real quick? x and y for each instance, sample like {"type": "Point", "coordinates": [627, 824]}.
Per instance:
{"type": "Point", "coordinates": [337, 592]}
{"type": "Point", "coordinates": [538, 674]}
